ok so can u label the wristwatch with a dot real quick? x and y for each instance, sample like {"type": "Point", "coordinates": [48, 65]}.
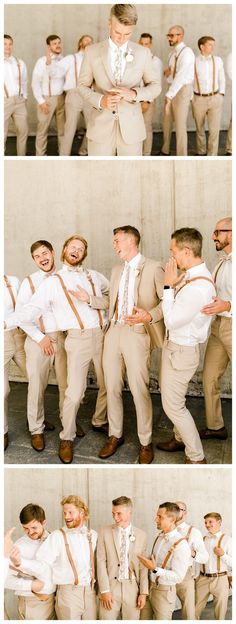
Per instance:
{"type": "Point", "coordinates": [165, 287]}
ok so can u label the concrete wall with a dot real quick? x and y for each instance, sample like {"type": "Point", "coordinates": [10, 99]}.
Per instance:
{"type": "Point", "coordinates": [30, 24]}
{"type": "Point", "coordinates": [54, 199]}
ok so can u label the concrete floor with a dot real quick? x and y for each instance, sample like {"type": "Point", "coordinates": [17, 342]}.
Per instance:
{"type": "Point", "coordinates": [157, 143]}
{"type": "Point", "coordinates": [86, 449]}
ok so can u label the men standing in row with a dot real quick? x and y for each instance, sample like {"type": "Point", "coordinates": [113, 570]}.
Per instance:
{"type": "Point", "coordinates": [109, 80]}
{"type": "Point", "coordinates": [209, 90]}
{"type": "Point", "coordinates": [15, 96]}
{"type": "Point", "coordinates": [44, 346]}
{"type": "Point", "coordinates": [148, 106]}
{"type": "Point", "coordinates": [48, 91]}
{"type": "Point", "coordinates": [180, 76]}
{"type": "Point", "coordinates": [122, 579]}
{"type": "Point", "coordinates": [186, 328]}
{"type": "Point", "coordinates": [213, 579]}
{"type": "Point", "coordinates": [136, 326]}
{"type": "Point", "coordinates": [168, 564]}
{"type": "Point", "coordinates": [219, 346]}
{"type": "Point", "coordinates": [35, 596]}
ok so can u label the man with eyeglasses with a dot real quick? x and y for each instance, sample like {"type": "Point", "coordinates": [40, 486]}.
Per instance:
{"type": "Point", "coordinates": [180, 77]}
{"type": "Point", "coordinates": [219, 346]}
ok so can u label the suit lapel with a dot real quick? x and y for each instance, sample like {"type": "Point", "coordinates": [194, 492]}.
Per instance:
{"type": "Point", "coordinates": [116, 286]}
{"type": "Point", "coordinates": [132, 545]}
{"type": "Point", "coordinates": [105, 61]}
{"type": "Point", "coordinates": [116, 540]}
{"type": "Point", "coordinates": [138, 279]}
{"type": "Point", "coordinates": [129, 67]}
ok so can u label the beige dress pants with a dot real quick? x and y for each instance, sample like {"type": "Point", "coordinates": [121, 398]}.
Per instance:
{"type": "Point", "coordinates": [81, 348]}
{"type": "Point", "coordinates": [35, 609]}
{"type": "Point", "coordinates": [76, 602]}
{"type": "Point", "coordinates": [147, 117]}
{"type": "Point", "coordinates": [218, 587]}
{"type": "Point", "coordinates": [186, 593]}
{"type": "Point", "coordinates": [124, 607]}
{"type": "Point", "coordinates": [14, 341]}
{"type": "Point", "coordinates": [209, 107]}
{"type": "Point", "coordinates": [178, 115]}
{"type": "Point", "coordinates": [74, 105]}
{"type": "Point", "coordinates": [114, 145]}
{"type": "Point", "coordinates": [16, 107]}
{"type": "Point", "coordinates": [38, 367]}
{"type": "Point", "coordinates": [178, 366]}
{"type": "Point", "coordinates": [218, 354]}
{"type": "Point", "coordinates": [128, 348]}
{"type": "Point", "coordinates": [56, 107]}
{"type": "Point", "coordinates": [229, 139]}
{"type": "Point", "coordinates": [160, 604]}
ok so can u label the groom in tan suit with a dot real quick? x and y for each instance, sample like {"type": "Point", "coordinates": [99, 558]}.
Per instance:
{"type": "Point", "coordinates": [136, 326]}
{"type": "Point", "coordinates": [109, 80]}
{"type": "Point", "coordinates": [122, 580]}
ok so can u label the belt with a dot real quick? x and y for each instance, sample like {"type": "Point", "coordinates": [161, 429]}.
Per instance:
{"type": "Point", "coordinates": [206, 94]}
{"type": "Point", "coordinates": [215, 574]}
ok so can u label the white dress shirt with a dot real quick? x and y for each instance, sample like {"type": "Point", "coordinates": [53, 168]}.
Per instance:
{"type": "Point", "coordinates": [11, 77]}
{"type": "Point", "coordinates": [22, 584]}
{"type": "Point", "coordinates": [67, 66]}
{"type": "Point", "coordinates": [183, 318]}
{"type": "Point", "coordinates": [53, 555]}
{"type": "Point", "coordinates": [229, 65]}
{"type": "Point", "coordinates": [8, 303]}
{"type": "Point", "coordinates": [204, 68]}
{"type": "Point", "coordinates": [127, 532]}
{"type": "Point", "coordinates": [133, 264]}
{"type": "Point", "coordinates": [184, 69]}
{"type": "Point", "coordinates": [158, 68]}
{"type": "Point", "coordinates": [178, 562]}
{"type": "Point", "coordinates": [211, 542]}
{"type": "Point", "coordinates": [195, 542]}
{"type": "Point", "coordinates": [224, 283]}
{"type": "Point", "coordinates": [112, 50]}
{"type": "Point", "coordinates": [24, 297]}
{"type": "Point", "coordinates": [43, 76]}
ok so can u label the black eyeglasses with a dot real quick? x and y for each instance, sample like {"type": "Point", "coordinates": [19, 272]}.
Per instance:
{"type": "Point", "coordinates": [174, 35]}
{"type": "Point", "coordinates": [181, 509]}
{"type": "Point", "coordinates": [216, 232]}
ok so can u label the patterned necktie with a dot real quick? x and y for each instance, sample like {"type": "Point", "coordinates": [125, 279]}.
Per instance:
{"type": "Point", "coordinates": [124, 307]}
{"type": "Point", "coordinates": [122, 574]}
{"type": "Point", "coordinates": [118, 66]}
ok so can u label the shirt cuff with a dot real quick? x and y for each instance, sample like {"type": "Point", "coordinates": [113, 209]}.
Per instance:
{"type": "Point", "coordinates": [168, 294]}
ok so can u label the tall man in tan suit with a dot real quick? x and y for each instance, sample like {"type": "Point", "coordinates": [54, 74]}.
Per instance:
{"type": "Point", "coordinates": [219, 347]}
{"type": "Point", "coordinates": [110, 79]}
{"type": "Point", "coordinates": [136, 326]}
{"type": "Point", "coordinates": [15, 96]}
{"type": "Point", "coordinates": [122, 579]}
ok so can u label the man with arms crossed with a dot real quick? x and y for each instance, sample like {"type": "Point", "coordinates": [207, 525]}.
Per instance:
{"type": "Point", "coordinates": [109, 80]}
{"type": "Point", "coordinates": [122, 579]}
{"type": "Point", "coordinates": [15, 96]}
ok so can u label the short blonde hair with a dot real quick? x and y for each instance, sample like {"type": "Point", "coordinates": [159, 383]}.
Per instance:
{"type": "Point", "coordinates": [72, 499]}
{"type": "Point", "coordinates": [125, 14]}
{"type": "Point", "coordinates": [75, 237]}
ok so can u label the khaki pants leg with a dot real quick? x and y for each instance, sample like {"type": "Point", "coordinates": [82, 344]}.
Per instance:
{"type": "Point", "coordinates": [38, 367]}
{"type": "Point", "coordinates": [14, 341]}
{"type": "Point", "coordinates": [163, 600]}
{"type": "Point", "coordinates": [35, 609]}
{"type": "Point", "coordinates": [8, 110]}
{"type": "Point", "coordinates": [83, 150]}
{"type": "Point", "coordinates": [44, 121]}
{"type": "Point", "coordinates": [73, 108]}
{"type": "Point", "coordinates": [100, 416]}
{"type": "Point", "coordinates": [60, 119]}
{"type": "Point", "coordinates": [180, 107]}
{"type": "Point", "coordinates": [147, 612]}
{"type": "Point", "coordinates": [75, 603]}
{"type": "Point", "coordinates": [202, 593]}
{"type": "Point", "coordinates": [167, 130]}
{"type": "Point", "coordinates": [124, 607]}
{"type": "Point", "coordinates": [199, 108]}
{"type": "Point", "coordinates": [178, 366]}
{"type": "Point", "coordinates": [220, 591]}
{"type": "Point", "coordinates": [114, 372]}
{"type": "Point", "coordinates": [16, 108]}
{"type": "Point", "coordinates": [147, 117]}
{"type": "Point", "coordinates": [114, 145]}
{"type": "Point", "coordinates": [214, 117]}
{"type": "Point", "coordinates": [218, 354]}
{"type": "Point", "coordinates": [60, 364]}
{"type": "Point", "coordinates": [186, 594]}
{"type": "Point", "coordinates": [228, 146]}
{"type": "Point", "coordinates": [127, 149]}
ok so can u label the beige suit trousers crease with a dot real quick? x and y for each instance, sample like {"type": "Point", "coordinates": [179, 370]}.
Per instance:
{"type": "Point", "coordinates": [148, 118]}
{"type": "Point", "coordinates": [35, 609]}
{"type": "Point", "coordinates": [128, 348]}
{"type": "Point", "coordinates": [74, 106]}
{"type": "Point", "coordinates": [229, 138]}
{"type": "Point", "coordinates": [38, 368]}
{"type": "Point", "coordinates": [75, 602]}
{"type": "Point", "coordinates": [124, 607]}
{"type": "Point", "coordinates": [81, 348]}
{"type": "Point", "coordinates": [178, 366]}
{"type": "Point", "coordinates": [219, 588]}
{"type": "Point", "coordinates": [160, 604]}
{"type": "Point", "coordinates": [217, 356]}
{"type": "Point", "coordinates": [16, 107]}
{"type": "Point", "coordinates": [209, 108]}
{"type": "Point", "coordinates": [56, 107]}
{"type": "Point", "coordinates": [178, 115]}
{"type": "Point", "coordinates": [186, 594]}
{"type": "Point", "coordinates": [14, 341]}
{"type": "Point", "coordinates": [114, 145]}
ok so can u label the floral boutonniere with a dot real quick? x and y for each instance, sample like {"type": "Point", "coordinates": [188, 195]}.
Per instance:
{"type": "Point", "coordinates": [129, 56]}
{"type": "Point", "coordinates": [132, 537]}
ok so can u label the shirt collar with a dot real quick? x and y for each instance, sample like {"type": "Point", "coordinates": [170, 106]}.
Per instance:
{"type": "Point", "coordinates": [126, 529]}
{"type": "Point", "coordinates": [195, 270]}
{"type": "Point", "coordinates": [181, 526]}
{"type": "Point", "coordinates": [135, 261]}
{"type": "Point", "coordinates": [114, 47]}
{"type": "Point", "coordinates": [77, 530]}
{"type": "Point", "coordinates": [78, 269]}
{"type": "Point", "coordinates": [179, 46]}
{"type": "Point", "coordinates": [206, 58]}
{"type": "Point", "coordinates": [44, 274]}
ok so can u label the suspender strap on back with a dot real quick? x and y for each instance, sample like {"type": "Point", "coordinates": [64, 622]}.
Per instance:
{"type": "Point", "coordinates": [218, 556]}
{"type": "Point", "coordinates": [70, 300]}
{"type": "Point", "coordinates": [193, 279]}
{"type": "Point", "coordinates": [91, 558]}
{"type": "Point", "coordinates": [89, 277]}
{"type": "Point", "coordinates": [217, 270]}
{"type": "Point", "coordinates": [32, 288]}
{"type": "Point", "coordinates": [169, 554]}
{"type": "Point", "coordinates": [76, 580]}
{"type": "Point", "coordinates": [176, 59]}
{"type": "Point", "coordinates": [187, 536]}
{"type": "Point", "coordinates": [8, 285]}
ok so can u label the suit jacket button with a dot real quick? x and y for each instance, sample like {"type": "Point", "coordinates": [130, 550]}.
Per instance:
{"type": "Point", "coordinates": [115, 577]}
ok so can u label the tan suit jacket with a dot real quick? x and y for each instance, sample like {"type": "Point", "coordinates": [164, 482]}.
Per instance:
{"type": "Point", "coordinates": [96, 79]}
{"type": "Point", "coordinates": [108, 559]}
{"type": "Point", "coordinates": [148, 291]}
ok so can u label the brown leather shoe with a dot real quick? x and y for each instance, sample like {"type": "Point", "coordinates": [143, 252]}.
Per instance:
{"type": "Point", "coordinates": [171, 446]}
{"type": "Point", "coordinates": [48, 426]}
{"type": "Point", "coordinates": [6, 441]}
{"type": "Point", "coordinates": [79, 431]}
{"type": "Point", "coordinates": [146, 454]}
{"type": "Point", "coordinates": [37, 442]}
{"type": "Point", "coordinates": [102, 428]}
{"type": "Point", "coordinates": [66, 451]}
{"type": "Point", "coordinates": [220, 434]}
{"type": "Point", "coordinates": [111, 447]}
{"type": "Point", "coordinates": [189, 461]}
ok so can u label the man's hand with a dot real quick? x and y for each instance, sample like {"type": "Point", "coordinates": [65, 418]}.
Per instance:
{"type": "Point", "coordinates": [167, 72]}
{"type": "Point", "coordinates": [145, 106]}
{"type": "Point", "coordinates": [46, 344]}
{"type": "Point", "coordinates": [170, 277]}
{"type": "Point", "coordinates": [193, 552]}
{"type": "Point", "coordinates": [139, 316]}
{"type": "Point", "coordinates": [219, 551]}
{"type": "Point", "coordinates": [8, 543]}
{"type": "Point", "coordinates": [148, 563]}
{"type": "Point", "coordinates": [107, 600]}
{"type": "Point", "coordinates": [36, 586]}
{"type": "Point", "coordinates": [80, 294]}
{"type": "Point", "coordinates": [15, 556]}
{"type": "Point", "coordinates": [44, 108]}
{"type": "Point", "coordinates": [167, 106]}
{"type": "Point", "coordinates": [110, 100]}
{"type": "Point", "coordinates": [129, 95]}
{"type": "Point", "coordinates": [141, 601]}
{"type": "Point", "coordinates": [216, 307]}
